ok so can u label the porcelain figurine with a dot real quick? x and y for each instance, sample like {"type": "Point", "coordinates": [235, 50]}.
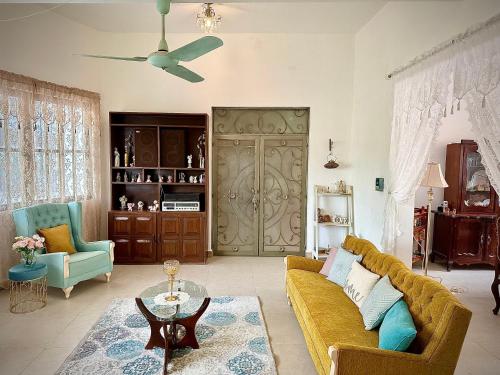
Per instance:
{"type": "Point", "coordinates": [148, 179]}
{"type": "Point", "coordinates": [140, 205]}
{"type": "Point", "coordinates": [170, 179]}
{"type": "Point", "coordinates": [191, 179]}
{"type": "Point", "coordinates": [118, 177]}
{"type": "Point", "coordinates": [125, 177]}
{"type": "Point", "coordinates": [123, 202]}
{"type": "Point", "coordinates": [162, 179]}
{"type": "Point", "coordinates": [138, 178]}
{"type": "Point", "coordinates": [157, 205]}
{"type": "Point", "coordinates": [195, 179]}
{"type": "Point", "coordinates": [202, 162]}
{"type": "Point", "coordinates": [182, 177]}
{"type": "Point", "coordinates": [130, 206]}
{"type": "Point", "coordinates": [202, 178]}
{"type": "Point", "coordinates": [190, 161]}
{"type": "Point", "coordinates": [133, 162]}
{"type": "Point", "coordinates": [117, 157]}
{"type": "Point", "coordinates": [125, 158]}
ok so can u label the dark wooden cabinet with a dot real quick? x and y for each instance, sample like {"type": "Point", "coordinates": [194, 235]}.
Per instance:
{"type": "Point", "coordinates": [157, 146]}
{"type": "Point", "coordinates": [468, 236]}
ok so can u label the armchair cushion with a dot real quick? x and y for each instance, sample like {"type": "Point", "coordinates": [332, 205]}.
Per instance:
{"type": "Point", "coordinates": [57, 239]}
{"type": "Point", "coordinates": [84, 262]}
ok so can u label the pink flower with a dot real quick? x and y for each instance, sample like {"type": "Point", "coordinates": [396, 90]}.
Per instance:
{"type": "Point", "coordinates": [39, 244]}
{"type": "Point", "coordinates": [31, 245]}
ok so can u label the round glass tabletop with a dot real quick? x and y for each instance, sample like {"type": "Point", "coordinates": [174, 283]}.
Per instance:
{"type": "Point", "coordinates": [190, 298]}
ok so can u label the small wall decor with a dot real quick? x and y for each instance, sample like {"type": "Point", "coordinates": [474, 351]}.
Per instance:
{"type": "Point", "coordinates": [331, 159]}
{"type": "Point", "coordinates": [123, 202]}
{"type": "Point", "coordinates": [379, 184]}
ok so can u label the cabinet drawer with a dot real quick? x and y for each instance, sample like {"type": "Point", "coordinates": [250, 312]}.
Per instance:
{"type": "Point", "coordinates": [169, 226]}
{"type": "Point", "coordinates": [120, 224]}
{"type": "Point", "coordinates": [192, 226]}
{"type": "Point", "coordinates": [144, 250]}
{"type": "Point", "coordinates": [123, 249]}
{"type": "Point", "coordinates": [144, 225]}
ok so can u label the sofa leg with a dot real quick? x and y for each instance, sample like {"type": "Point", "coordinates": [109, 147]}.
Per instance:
{"type": "Point", "coordinates": [67, 291]}
{"type": "Point", "coordinates": [108, 276]}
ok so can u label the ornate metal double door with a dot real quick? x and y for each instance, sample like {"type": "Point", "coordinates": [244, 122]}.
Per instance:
{"type": "Point", "coordinates": [259, 194]}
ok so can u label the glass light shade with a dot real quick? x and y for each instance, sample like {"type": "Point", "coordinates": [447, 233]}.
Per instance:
{"type": "Point", "coordinates": [207, 19]}
{"type": "Point", "coordinates": [433, 176]}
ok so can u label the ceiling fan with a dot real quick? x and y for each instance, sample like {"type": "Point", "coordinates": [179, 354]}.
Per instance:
{"type": "Point", "coordinates": [169, 61]}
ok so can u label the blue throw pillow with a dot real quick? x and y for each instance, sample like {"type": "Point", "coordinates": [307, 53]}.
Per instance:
{"type": "Point", "coordinates": [379, 301]}
{"type": "Point", "coordinates": [341, 266]}
{"type": "Point", "coordinates": [397, 330]}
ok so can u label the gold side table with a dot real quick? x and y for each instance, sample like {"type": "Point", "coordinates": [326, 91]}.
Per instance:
{"type": "Point", "coordinates": [28, 288]}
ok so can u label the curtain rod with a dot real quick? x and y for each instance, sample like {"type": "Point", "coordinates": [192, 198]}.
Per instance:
{"type": "Point", "coordinates": [450, 42]}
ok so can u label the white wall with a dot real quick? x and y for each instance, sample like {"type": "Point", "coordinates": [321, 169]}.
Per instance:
{"type": "Point", "coordinates": [398, 32]}
{"type": "Point", "coordinates": [314, 70]}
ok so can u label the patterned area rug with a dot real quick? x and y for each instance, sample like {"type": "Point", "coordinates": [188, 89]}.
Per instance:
{"type": "Point", "coordinates": [231, 333]}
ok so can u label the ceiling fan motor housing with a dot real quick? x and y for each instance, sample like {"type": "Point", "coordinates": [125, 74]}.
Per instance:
{"type": "Point", "coordinates": [163, 6]}
{"type": "Point", "coordinates": [161, 59]}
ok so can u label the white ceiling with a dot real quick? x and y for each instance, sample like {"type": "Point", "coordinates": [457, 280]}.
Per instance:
{"type": "Point", "coordinates": [238, 16]}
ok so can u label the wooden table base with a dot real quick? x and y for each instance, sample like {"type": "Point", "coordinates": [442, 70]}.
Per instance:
{"type": "Point", "coordinates": [168, 340]}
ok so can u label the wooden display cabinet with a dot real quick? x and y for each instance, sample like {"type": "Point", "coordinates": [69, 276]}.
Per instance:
{"type": "Point", "coordinates": [157, 147]}
{"type": "Point", "coordinates": [469, 237]}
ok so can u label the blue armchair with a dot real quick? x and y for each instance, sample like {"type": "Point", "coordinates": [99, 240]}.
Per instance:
{"type": "Point", "coordinates": [64, 270]}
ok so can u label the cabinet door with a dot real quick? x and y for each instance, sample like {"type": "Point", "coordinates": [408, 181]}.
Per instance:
{"type": "Point", "coordinates": [168, 249]}
{"type": "Point", "coordinates": [123, 249]}
{"type": "Point", "coordinates": [491, 242]}
{"type": "Point", "coordinates": [168, 226]}
{"type": "Point", "coordinates": [469, 240]}
{"type": "Point", "coordinates": [192, 226]}
{"type": "Point", "coordinates": [144, 250]}
{"type": "Point", "coordinates": [144, 225]}
{"type": "Point", "coordinates": [192, 249]}
{"type": "Point", "coordinates": [146, 147]}
{"type": "Point", "coordinates": [120, 224]}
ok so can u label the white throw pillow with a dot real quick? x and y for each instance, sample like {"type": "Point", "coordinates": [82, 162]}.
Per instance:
{"type": "Point", "coordinates": [359, 283]}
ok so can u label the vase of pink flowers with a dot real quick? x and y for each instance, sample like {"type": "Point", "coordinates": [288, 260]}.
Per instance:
{"type": "Point", "coordinates": [28, 247]}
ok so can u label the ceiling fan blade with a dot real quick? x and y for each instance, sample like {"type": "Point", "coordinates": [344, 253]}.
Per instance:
{"type": "Point", "coordinates": [137, 58]}
{"type": "Point", "coordinates": [196, 49]}
{"type": "Point", "coordinates": [184, 73]}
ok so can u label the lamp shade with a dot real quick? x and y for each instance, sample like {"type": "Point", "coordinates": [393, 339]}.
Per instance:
{"type": "Point", "coordinates": [433, 176]}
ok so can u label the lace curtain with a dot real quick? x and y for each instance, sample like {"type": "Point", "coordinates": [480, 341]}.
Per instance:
{"type": "Point", "coordinates": [470, 71]}
{"type": "Point", "coordinates": [49, 152]}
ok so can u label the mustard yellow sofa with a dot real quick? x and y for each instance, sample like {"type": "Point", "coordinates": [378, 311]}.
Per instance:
{"type": "Point", "coordinates": [334, 331]}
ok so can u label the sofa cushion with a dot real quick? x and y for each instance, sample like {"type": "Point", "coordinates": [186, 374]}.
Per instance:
{"type": "Point", "coordinates": [341, 266]}
{"type": "Point", "coordinates": [325, 270]}
{"type": "Point", "coordinates": [330, 316]}
{"type": "Point", "coordinates": [83, 262]}
{"type": "Point", "coordinates": [359, 283]}
{"type": "Point", "coordinates": [397, 330]}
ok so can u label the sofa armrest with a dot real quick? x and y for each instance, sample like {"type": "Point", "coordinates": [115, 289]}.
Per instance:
{"type": "Point", "coordinates": [350, 359]}
{"type": "Point", "coordinates": [301, 263]}
{"type": "Point", "coordinates": [57, 267]}
{"type": "Point", "coordinates": [94, 246]}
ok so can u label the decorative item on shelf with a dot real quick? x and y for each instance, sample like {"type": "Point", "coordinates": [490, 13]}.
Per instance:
{"type": "Point", "coordinates": [207, 19]}
{"type": "Point", "coordinates": [340, 187]}
{"type": "Point", "coordinates": [123, 201]}
{"type": "Point", "coordinates": [202, 162]}
{"type": "Point", "coordinates": [125, 177]}
{"type": "Point", "coordinates": [162, 179]}
{"type": "Point", "coordinates": [202, 178]}
{"type": "Point", "coordinates": [195, 179]}
{"type": "Point", "coordinates": [133, 179]}
{"type": "Point", "coordinates": [138, 179]}
{"type": "Point", "coordinates": [128, 148]}
{"type": "Point", "coordinates": [190, 161]}
{"type": "Point", "coordinates": [331, 159]}
{"type": "Point", "coordinates": [118, 177]}
{"type": "Point", "coordinates": [125, 158]}
{"type": "Point", "coordinates": [130, 206]}
{"type": "Point", "coordinates": [117, 157]}
{"type": "Point", "coordinates": [323, 217]}
{"type": "Point", "coordinates": [446, 208]}
{"type": "Point", "coordinates": [148, 179]}
{"type": "Point", "coordinates": [170, 179]}
{"type": "Point", "coordinates": [342, 220]}
{"type": "Point", "coordinates": [201, 149]}
{"type": "Point", "coordinates": [157, 205]}
{"type": "Point", "coordinates": [151, 208]}
{"type": "Point", "coordinates": [133, 161]}
{"type": "Point", "coordinates": [182, 177]}
{"type": "Point", "coordinates": [140, 206]}
{"type": "Point", "coordinates": [191, 179]}
{"type": "Point", "coordinates": [433, 178]}
{"type": "Point", "coordinates": [28, 248]}
{"type": "Point", "coordinates": [171, 267]}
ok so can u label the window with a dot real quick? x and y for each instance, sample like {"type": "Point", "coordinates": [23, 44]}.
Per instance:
{"type": "Point", "coordinates": [46, 134]}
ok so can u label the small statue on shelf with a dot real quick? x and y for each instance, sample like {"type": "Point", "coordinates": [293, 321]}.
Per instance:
{"type": "Point", "coordinates": [125, 158]}
{"type": "Point", "coordinates": [182, 177]}
{"type": "Point", "coordinates": [148, 179]}
{"type": "Point", "coordinates": [201, 149]}
{"type": "Point", "coordinates": [170, 179]}
{"type": "Point", "coordinates": [130, 206]}
{"type": "Point", "coordinates": [125, 177]}
{"type": "Point", "coordinates": [190, 161]}
{"type": "Point", "coordinates": [140, 205]}
{"type": "Point", "coordinates": [202, 178]}
{"type": "Point", "coordinates": [133, 161]}
{"type": "Point", "coordinates": [157, 205]}
{"type": "Point", "coordinates": [138, 178]}
{"type": "Point", "coordinates": [191, 179]}
{"type": "Point", "coordinates": [202, 162]}
{"type": "Point", "coordinates": [123, 202]}
{"type": "Point", "coordinates": [117, 157]}
{"type": "Point", "coordinates": [195, 179]}
{"type": "Point", "coordinates": [162, 179]}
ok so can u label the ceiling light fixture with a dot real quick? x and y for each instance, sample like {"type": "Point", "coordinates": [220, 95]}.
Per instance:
{"type": "Point", "coordinates": [207, 19]}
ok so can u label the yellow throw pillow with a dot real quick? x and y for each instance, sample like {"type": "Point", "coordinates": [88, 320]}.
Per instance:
{"type": "Point", "coordinates": [57, 239]}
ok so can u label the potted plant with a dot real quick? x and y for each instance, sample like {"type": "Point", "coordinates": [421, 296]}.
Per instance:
{"type": "Point", "coordinates": [28, 247]}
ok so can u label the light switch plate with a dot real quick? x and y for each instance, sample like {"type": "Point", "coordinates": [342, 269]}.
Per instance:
{"type": "Point", "coordinates": [379, 184]}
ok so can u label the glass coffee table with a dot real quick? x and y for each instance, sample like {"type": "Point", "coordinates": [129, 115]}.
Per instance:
{"type": "Point", "coordinates": [177, 318]}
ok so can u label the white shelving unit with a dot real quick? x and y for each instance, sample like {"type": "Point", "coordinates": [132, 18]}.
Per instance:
{"type": "Point", "coordinates": [321, 194]}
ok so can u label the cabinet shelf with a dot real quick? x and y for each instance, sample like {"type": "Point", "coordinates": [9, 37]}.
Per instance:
{"type": "Point", "coordinates": [328, 224]}
{"type": "Point", "coordinates": [134, 183]}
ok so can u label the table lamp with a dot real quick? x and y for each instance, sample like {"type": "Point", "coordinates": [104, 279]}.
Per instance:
{"type": "Point", "coordinates": [433, 178]}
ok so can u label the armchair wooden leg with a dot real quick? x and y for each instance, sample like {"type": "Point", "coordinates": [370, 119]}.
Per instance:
{"type": "Point", "coordinates": [67, 291]}
{"type": "Point", "coordinates": [108, 276]}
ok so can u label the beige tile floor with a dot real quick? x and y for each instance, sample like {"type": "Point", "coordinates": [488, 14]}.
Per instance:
{"type": "Point", "coordinates": [38, 342]}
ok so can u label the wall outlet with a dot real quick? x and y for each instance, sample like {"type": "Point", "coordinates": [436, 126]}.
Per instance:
{"type": "Point", "coordinates": [379, 184]}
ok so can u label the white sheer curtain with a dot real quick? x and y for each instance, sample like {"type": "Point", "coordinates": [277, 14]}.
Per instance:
{"type": "Point", "coordinates": [422, 96]}
{"type": "Point", "coordinates": [49, 152]}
